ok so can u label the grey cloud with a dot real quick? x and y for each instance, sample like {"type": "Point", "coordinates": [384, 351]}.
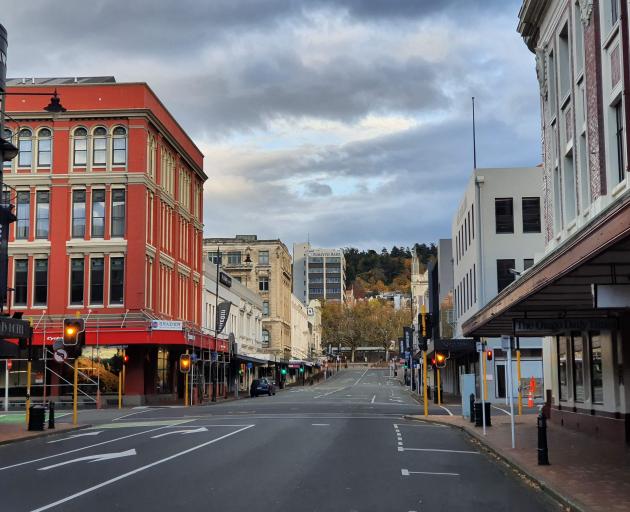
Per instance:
{"type": "Point", "coordinates": [314, 188]}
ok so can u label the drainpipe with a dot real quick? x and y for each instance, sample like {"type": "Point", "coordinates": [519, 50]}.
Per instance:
{"type": "Point", "coordinates": [480, 281]}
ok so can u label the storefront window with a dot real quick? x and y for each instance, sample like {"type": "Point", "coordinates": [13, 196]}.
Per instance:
{"type": "Point", "coordinates": [578, 368]}
{"type": "Point", "coordinates": [163, 371]}
{"type": "Point", "coordinates": [597, 385]}
{"type": "Point", "coordinates": [563, 376]}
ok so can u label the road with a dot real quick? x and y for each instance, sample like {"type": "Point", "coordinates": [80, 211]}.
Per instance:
{"type": "Point", "coordinates": [342, 445]}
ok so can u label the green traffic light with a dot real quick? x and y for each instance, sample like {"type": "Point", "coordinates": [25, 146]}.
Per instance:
{"type": "Point", "coordinates": [283, 371]}
{"type": "Point", "coordinates": [301, 370]}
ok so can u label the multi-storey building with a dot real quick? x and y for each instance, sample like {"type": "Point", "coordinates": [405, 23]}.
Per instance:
{"type": "Point", "coordinates": [577, 294]}
{"type": "Point", "coordinates": [265, 267]}
{"type": "Point", "coordinates": [497, 235]}
{"type": "Point", "coordinates": [108, 199]}
{"type": "Point", "coordinates": [318, 274]}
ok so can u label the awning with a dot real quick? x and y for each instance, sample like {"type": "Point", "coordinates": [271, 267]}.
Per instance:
{"type": "Point", "coordinates": [560, 286]}
{"type": "Point", "coordinates": [257, 359]}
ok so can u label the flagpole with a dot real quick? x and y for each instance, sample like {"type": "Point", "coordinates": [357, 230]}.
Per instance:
{"type": "Point", "coordinates": [216, 327]}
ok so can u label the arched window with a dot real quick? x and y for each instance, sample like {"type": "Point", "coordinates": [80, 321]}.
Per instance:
{"type": "Point", "coordinates": [99, 145]}
{"type": "Point", "coordinates": [119, 146]}
{"type": "Point", "coordinates": [25, 147]}
{"type": "Point", "coordinates": [265, 337]}
{"type": "Point", "coordinates": [80, 147]}
{"type": "Point", "coordinates": [44, 147]}
{"type": "Point", "coordinates": [8, 136]}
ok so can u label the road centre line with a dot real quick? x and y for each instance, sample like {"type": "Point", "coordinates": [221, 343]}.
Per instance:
{"type": "Point", "coordinates": [436, 450]}
{"type": "Point", "coordinates": [82, 448]}
{"type": "Point", "coordinates": [137, 470]}
{"type": "Point", "coordinates": [131, 414]}
{"type": "Point", "coordinates": [406, 472]}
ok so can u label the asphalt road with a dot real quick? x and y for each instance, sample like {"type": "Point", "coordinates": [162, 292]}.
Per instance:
{"type": "Point", "coordinates": [342, 445]}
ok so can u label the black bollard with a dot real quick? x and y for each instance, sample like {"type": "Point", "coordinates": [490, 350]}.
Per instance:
{"type": "Point", "coordinates": [51, 415]}
{"type": "Point", "coordinates": [472, 408]}
{"type": "Point", "coordinates": [543, 452]}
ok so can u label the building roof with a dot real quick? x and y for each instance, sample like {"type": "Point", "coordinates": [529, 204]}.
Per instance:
{"type": "Point", "coordinates": [13, 82]}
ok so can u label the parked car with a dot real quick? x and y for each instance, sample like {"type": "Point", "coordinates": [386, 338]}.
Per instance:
{"type": "Point", "coordinates": [261, 387]}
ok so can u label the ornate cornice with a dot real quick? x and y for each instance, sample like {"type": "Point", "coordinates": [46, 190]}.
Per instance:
{"type": "Point", "coordinates": [586, 10]}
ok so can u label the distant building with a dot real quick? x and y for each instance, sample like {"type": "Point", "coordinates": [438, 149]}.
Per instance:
{"type": "Point", "coordinates": [263, 266]}
{"type": "Point", "coordinates": [318, 274]}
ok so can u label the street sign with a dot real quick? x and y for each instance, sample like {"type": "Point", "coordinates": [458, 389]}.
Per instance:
{"type": "Point", "coordinates": [250, 365]}
{"type": "Point", "coordinates": [57, 344]}
{"type": "Point", "coordinates": [167, 325]}
{"type": "Point", "coordinates": [60, 355]}
{"type": "Point", "coordinates": [479, 346]}
{"type": "Point", "coordinates": [14, 328]}
{"type": "Point", "coordinates": [506, 342]}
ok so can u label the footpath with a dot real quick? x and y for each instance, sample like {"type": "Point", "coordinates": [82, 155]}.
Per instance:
{"type": "Point", "coordinates": [13, 428]}
{"type": "Point", "coordinates": [586, 473]}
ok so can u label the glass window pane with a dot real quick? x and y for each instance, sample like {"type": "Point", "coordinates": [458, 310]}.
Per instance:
{"type": "Point", "coordinates": [531, 215]}
{"type": "Point", "coordinates": [41, 282]}
{"type": "Point", "coordinates": [98, 213]}
{"type": "Point", "coordinates": [116, 280]}
{"type": "Point", "coordinates": [504, 215]}
{"type": "Point", "coordinates": [76, 281]}
{"type": "Point", "coordinates": [78, 213]}
{"type": "Point", "coordinates": [25, 155]}
{"type": "Point", "coordinates": [578, 368]}
{"type": "Point", "coordinates": [118, 213]}
{"type": "Point", "coordinates": [43, 214]}
{"type": "Point", "coordinates": [563, 376]}
{"type": "Point", "coordinates": [119, 156]}
{"type": "Point", "coordinates": [23, 215]}
{"type": "Point", "coordinates": [96, 280]}
{"type": "Point", "coordinates": [20, 283]}
{"type": "Point", "coordinates": [597, 375]}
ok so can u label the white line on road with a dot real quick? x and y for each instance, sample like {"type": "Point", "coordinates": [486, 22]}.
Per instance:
{"type": "Point", "coordinates": [131, 414]}
{"type": "Point", "coordinates": [76, 435]}
{"type": "Point", "coordinates": [320, 424]}
{"type": "Point", "coordinates": [137, 470]}
{"type": "Point", "coordinates": [502, 410]}
{"type": "Point", "coordinates": [330, 392]}
{"type": "Point", "coordinates": [436, 450]}
{"type": "Point", "coordinates": [406, 472]}
{"type": "Point", "coordinates": [373, 398]}
{"type": "Point", "coordinates": [363, 375]}
{"type": "Point", "coordinates": [183, 432]}
{"type": "Point", "coordinates": [93, 458]}
{"type": "Point", "coordinates": [449, 412]}
{"type": "Point", "coordinates": [82, 448]}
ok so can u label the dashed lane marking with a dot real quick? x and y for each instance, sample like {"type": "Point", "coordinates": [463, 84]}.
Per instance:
{"type": "Point", "coordinates": [406, 472]}
{"type": "Point", "coordinates": [436, 450]}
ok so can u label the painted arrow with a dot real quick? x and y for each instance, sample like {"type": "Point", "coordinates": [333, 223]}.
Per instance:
{"type": "Point", "coordinates": [200, 429]}
{"type": "Point", "coordinates": [94, 458]}
{"type": "Point", "coordinates": [76, 435]}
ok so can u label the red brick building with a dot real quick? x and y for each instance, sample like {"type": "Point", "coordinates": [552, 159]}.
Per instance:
{"type": "Point", "coordinates": [109, 200]}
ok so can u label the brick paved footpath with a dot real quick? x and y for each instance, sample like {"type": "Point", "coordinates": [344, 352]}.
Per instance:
{"type": "Point", "coordinates": [589, 473]}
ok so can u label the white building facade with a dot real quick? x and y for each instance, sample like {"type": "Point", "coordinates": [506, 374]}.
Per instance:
{"type": "Point", "coordinates": [318, 274]}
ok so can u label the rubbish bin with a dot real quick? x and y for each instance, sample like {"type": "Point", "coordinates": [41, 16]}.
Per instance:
{"type": "Point", "coordinates": [479, 414]}
{"type": "Point", "coordinates": [36, 417]}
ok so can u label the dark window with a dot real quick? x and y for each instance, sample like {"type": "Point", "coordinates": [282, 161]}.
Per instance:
{"type": "Point", "coordinates": [98, 213]}
{"type": "Point", "coordinates": [25, 147]}
{"type": "Point", "coordinates": [504, 215]}
{"type": "Point", "coordinates": [42, 214]}
{"type": "Point", "coordinates": [99, 147]}
{"type": "Point", "coordinates": [118, 213]}
{"type": "Point", "coordinates": [213, 257]}
{"type": "Point", "coordinates": [76, 281]}
{"type": "Point", "coordinates": [23, 215]}
{"type": "Point", "coordinates": [263, 284]}
{"type": "Point", "coordinates": [472, 216]}
{"type": "Point", "coordinates": [78, 213]}
{"type": "Point", "coordinates": [8, 136]}
{"type": "Point", "coordinates": [597, 376]}
{"type": "Point", "coordinates": [531, 215]}
{"type": "Point", "coordinates": [116, 280]}
{"type": "Point", "coordinates": [619, 139]}
{"type": "Point", "coordinates": [234, 258]}
{"type": "Point", "coordinates": [563, 376]}
{"type": "Point", "coordinates": [475, 282]}
{"type": "Point", "coordinates": [96, 280]}
{"type": "Point", "coordinates": [44, 147]}
{"type": "Point", "coordinates": [265, 338]}
{"type": "Point", "coordinates": [527, 263]}
{"type": "Point", "coordinates": [41, 283]}
{"type": "Point", "coordinates": [80, 147]}
{"type": "Point", "coordinates": [504, 276]}
{"type": "Point", "coordinates": [20, 282]}
{"type": "Point", "coordinates": [578, 368]}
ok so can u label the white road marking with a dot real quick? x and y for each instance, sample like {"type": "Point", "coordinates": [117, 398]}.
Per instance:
{"type": "Point", "coordinates": [502, 410]}
{"type": "Point", "coordinates": [330, 392]}
{"type": "Point", "coordinates": [137, 470]}
{"type": "Point", "coordinates": [195, 431]}
{"type": "Point", "coordinates": [373, 398]}
{"type": "Point", "coordinates": [436, 450]}
{"type": "Point", "coordinates": [406, 472]}
{"type": "Point", "coordinates": [76, 435]}
{"type": "Point", "coordinates": [93, 458]}
{"type": "Point", "coordinates": [320, 424]}
{"type": "Point", "coordinates": [363, 375]}
{"type": "Point", "coordinates": [131, 414]}
{"type": "Point", "coordinates": [82, 448]}
{"type": "Point", "coordinates": [449, 412]}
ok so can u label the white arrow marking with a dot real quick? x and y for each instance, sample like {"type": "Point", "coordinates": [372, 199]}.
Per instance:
{"type": "Point", "coordinates": [76, 435]}
{"type": "Point", "coordinates": [94, 458]}
{"type": "Point", "coordinates": [201, 429]}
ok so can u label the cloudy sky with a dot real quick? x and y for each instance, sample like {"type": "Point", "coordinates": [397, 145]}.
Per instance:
{"type": "Point", "coordinates": [344, 120]}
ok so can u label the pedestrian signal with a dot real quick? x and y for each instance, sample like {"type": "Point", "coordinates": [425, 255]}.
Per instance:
{"type": "Point", "coordinates": [184, 363]}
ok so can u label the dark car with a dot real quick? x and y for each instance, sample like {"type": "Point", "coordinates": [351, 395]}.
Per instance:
{"type": "Point", "coordinates": [262, 387]}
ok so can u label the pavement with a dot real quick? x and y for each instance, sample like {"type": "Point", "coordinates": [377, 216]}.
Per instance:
{"type": "Point", "coordinates": [342, 445]}
{"type": "Point", "coordinates": [584, 472]}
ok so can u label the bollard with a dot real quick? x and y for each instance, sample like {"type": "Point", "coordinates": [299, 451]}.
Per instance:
{"type": "Point", "coordinates": [543, 452]}
{"type": "Point", "coordinates": [51, 415]}
{"type": "Point", "coordinates": [472, 408]}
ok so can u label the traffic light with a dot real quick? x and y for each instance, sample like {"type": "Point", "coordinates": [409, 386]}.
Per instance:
{"type": "Point", "coordinates": [489, 355]}
{"type": "Point", "coordinates": [301, 369]}
{"type": "Point", "coordinates": [125, 359]}
{"type": "Point", "coordinates": [283, 371]}
{"type": "Point", "coordinates": [440, 360]}
{"type": "Point", "coordinates": [184, 363]}
{"type": "Point", "coordinates": [73, 332]}
{"type": "Point", "coordinates": [9, 364]}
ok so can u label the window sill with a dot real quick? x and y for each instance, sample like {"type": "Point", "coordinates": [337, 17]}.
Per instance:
{"type": "Point", "coordinates": [619, 188]}
{"type": "Point", "coordinates": [76, 306]}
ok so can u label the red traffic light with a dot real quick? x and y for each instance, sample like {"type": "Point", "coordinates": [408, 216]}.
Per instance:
{"type": "Point", "coordinates": [489, 355]}
{"type": "Point", "coordinates": [9, 364]}
{"type": "Point", "coordinates": [125, 358]}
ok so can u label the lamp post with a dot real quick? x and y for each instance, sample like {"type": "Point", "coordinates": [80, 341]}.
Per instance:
{"type": "Point", "coordinates": [215, 357]}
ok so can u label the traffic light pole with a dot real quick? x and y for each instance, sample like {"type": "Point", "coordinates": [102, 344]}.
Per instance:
{"type": "Point", "coordinates": [424, 382]}
{"type": "Point", "coordinates": [518, 377]}
{"type": "Point", "coordinates": [483, 385]}
{"type": "Point", "coordinates": [75, 394]}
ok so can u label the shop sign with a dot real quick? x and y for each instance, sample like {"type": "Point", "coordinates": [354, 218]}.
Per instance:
{"type": "Point", "coordinates": [554, 325]}
{"type": "Point", "coordinates": [167, 325]}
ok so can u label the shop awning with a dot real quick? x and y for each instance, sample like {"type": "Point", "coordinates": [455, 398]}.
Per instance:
{"type": "Point", "coordinates": [560, 290]}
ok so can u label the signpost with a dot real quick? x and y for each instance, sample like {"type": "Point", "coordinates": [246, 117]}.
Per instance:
{"type": "Point", "coordinates": [480, 349]}
{"type": "Point", "coordinates": [506, 344]}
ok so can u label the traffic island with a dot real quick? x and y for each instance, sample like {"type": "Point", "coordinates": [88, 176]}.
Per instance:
{"type": "Point", "coordinates": [585, 473]}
